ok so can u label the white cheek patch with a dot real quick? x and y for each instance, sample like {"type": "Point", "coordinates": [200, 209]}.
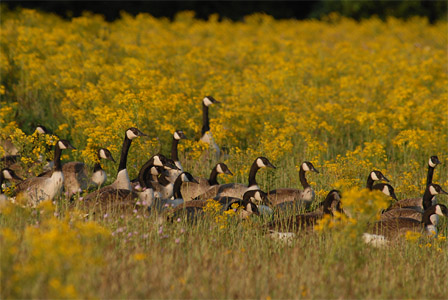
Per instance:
{"type": "Point", "coordinates": [61, 145]}
{"type": "Point", "coordinates": [434, 219]}
{"type": "Point", "coordinates": [154, 171]}
{"type": "Point", "coordinates": [305, 167]}
{"type": "Point", "coordinates": [184, 178]}
{"type": "Point", "coordinates": [176, 136]}
{"type": "Point", "coordinates": [219, 169]}
{"type": "Point", "coordinates": [431, 164]}
{"type": "Point", "coordinates": [40, 130]}
{"type": "Point", "coordinates": [386, 190]}
{"type": "Point", "coordinates": [257, 196]}
{"type": "Point", "coordinates": [7, 175]}
{"type": "Point", "coordinates": [374, 176]}
{"type": "Point", "coordinates": [207, 102]}
{"type": "Point", "coordinates": [432, 190]}
{"type": "Point", "coordinates": [439, 211]}
{"type": "Point", "coordinates": [103, 154]}
{"type": "Point", "coordinates": [249, 207]}
{"type": "Point", "coordinates": [130, 134]}
{"type": "Point", "coordinates": [157, 161]}
{"type": "Point", "coordinates": [260, 163]}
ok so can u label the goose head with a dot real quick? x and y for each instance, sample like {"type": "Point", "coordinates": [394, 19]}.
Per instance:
{"type": "Point", "coordinates": [433, 161]}
{"type": "Point", "coordinates": [257, 196]}
{"type": "Point", "coordinates": [104, 153]}
{"type": "Point", "coordinates": [441, 210]}
{"type": "Point", "coordinates": [132, 133]}
{"type": "Point", "coordinates": [263, 162]}
{"type": "Point", "coordinates": [435, 189]}
{"type": "Point", "coordinates": [187, 177]}
{"type": "Point", "coordinates": [9, 174]}
{"type": "Point", "coordinates": [387, 189]}
{"type": "Point", "coordinates": [64, 144]}
{"type": "Point", "coordinates": [41, 129]}
{"type": "Point", "coordinates": [377, 175]}
{"type": "Point", "coordinates": [160, 160]}
{"type": "Point", "coordinates": [209, 100]}
{"type": "Point", "coordinates": [179, 134]}
{"type": "Point", "coordinates": [308, 166]}
{"type": "Point", "coordinates": [222, 168]}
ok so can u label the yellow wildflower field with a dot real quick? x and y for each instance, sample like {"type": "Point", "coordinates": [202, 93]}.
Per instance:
{"type": "Point", "coordinates": [347, 96]}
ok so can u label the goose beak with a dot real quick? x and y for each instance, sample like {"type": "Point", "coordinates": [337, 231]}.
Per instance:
{"type": "Point", "coordinates": [194, 180]}
{"type": "Point", "coordinates": [443, 192]}
{"type": "Point", "coordinates": [69, 146]}
{"type": "Point", "coordinates": [315, 170]}
{"type": "Point", "coordinates": [385, 179]}
{"type": "Point", "coordinates": [182, 136]}
{"type": "Point", "coordinates": [15, 176]}
{"type": "Point", "coordinates": [228, 172]}
{"type": "Point", "coordinates": [271, 166]}
{"type": "Point", "coordinates": [139, 133]}
{"type": "Point", "coordinates": [112, 159]}
{"type": "Point", "coordinates": [171, 166]}
{"type": "Point", "coordinates": [394, 196]}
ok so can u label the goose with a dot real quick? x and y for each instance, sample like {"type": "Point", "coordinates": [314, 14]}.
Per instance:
{"type": "Point", "coordinates": [386, 189]}
{"type": "Point", "coordinates": [99, 176]}
{"type": "Point", "coordinates": [162, 203]}
{"type": "Point", "coordinates": [417, 212]}
{"type": "Point", "coordinates": [173, 174]}
{"type": "Point", "coordinates": [384, 231]}
{"type": "Point", "coordinates": [76, 178]}
{"type": "Point", "coordinates": [375, 176]}
{"type": "Point", "coordinates": [308, 220]}
{"type": "Point", "coordinates": [417, 202]}
{"type": "Point", "coordinates": [7, 175]}
{"type": "Point", "coordinates": [191, 191]}
{"type": "Point", "coordinates": [193, 209]}
{"type": "Point", "coordinates": [120, 189]}
{"type": "Point", "coordinates": [37, 189]}
{"type": "Point", "coordinates": [237, 190]}
{"type": "Point", "coordinates": [299, 197]}
{"type": "Point", "coordinates": [206, 135]}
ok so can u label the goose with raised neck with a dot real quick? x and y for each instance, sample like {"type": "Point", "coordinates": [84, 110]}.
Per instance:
{"type": "Point", "coordinates": [206, 135]}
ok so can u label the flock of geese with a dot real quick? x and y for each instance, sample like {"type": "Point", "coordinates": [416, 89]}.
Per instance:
{"type": "Point", "coordinates": [162, 184]}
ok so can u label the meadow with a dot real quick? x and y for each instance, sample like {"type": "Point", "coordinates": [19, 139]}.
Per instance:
{"type": "Point", "coordinates": [348, 96]}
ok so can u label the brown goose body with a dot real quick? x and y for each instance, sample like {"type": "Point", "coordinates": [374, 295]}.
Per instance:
{"type": "Point", "coordinates": [394, 228]}
{"type": "Point", "coordinates": [402, 213]}
{"type": "Point", "coordinates": [414, 203]}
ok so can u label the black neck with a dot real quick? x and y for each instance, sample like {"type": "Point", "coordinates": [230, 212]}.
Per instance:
{"type": "Point", "coordinates": [430, 175]}
{"type": "Point", "coordinates": [369, 184]}
{"type": "Point", "coordinates": [124, 153]}
{"type": "Point", "coordinates": [176, 188]}
{"type": "Point", "coordinates": [97, 167]}
{"type": "Point", "coordinates": [253, 172]}
{"type": "Point", "coordinates": [302, 177]}
{"type": "Point", "coordinates": [144, 173]}
{"type": "Point", "coordinates": [427, 199]}
{"type": "Point", "coordinates": [426, 218]}
{"type": "Point", "coordinates": [57, 158]}
{"type": "Point", "coordinates": [213, 179]}
{"type": "Point", "coordinates": [205, 121]}
{"type": "Point", "coordinates": [2, 179]}
{"type": "Point", "coordinates": [174, 155]}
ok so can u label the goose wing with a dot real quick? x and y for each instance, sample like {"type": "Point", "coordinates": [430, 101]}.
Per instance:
{"type": "Point", "coordinates": [296, 223]}
{"type": "Point", "coordinates": [192, 190]}
{"type": "Point", "coordinates": [402, 213]}
{"type": "Point", "coordinates": [279, 196]}
{"type": "Point", "coordinates": [395, 227]}
{"type": "Point", "coordinates": [407, 203]}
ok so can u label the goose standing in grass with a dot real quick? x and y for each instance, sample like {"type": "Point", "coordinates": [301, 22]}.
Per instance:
{"type": "Point", "coordinates": [172, 173]}
{"type": "Point", "coordinates": [37, 189]}
{"type": "Point", "coordinates": [191, 191]}
{"type": "Point", "coordinates": [294, 196]}
{"type": "Point", "coordinates": [206, 135]}
{"type": "Point", "coordinates": [193, 209]}
{"type": "Point", "coordinates": [237, 190]}
{"type": "Point", "coordinates": [417, 202]}
{"type": "Point", "coordinates": [120, 189]}
{"type": "Point", "coordinates": [384, 231]}
{"type": "Point", "coordinates": [7, 175]}
{"type": "Point", "coordinates": [416, 212]}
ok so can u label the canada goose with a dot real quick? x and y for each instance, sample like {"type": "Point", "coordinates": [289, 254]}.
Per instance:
{"type": "Point", "coordinates": [191, 191]}
{"type": "Point", "coordinates": [237, 190]}
{"type": "Point", "coordinates": [120, 189]}
{"type": "Point", "coordinates": [308, 220]}
{"type": "Point", "coordinates": [160, 162]}
{"type": "Point", "coordinates": [301, 197]}
{"type": "Point", "coordinates": [172, 173]}
{"type": "Point", "coordinates": [375, 176]}
{"type": "Point", "coordinates": [417, 202]}
{"type": "Point", "coordinates": [76, 178]}
{"type": "Point", "coordinates": [194, 209]}
{"type": "Point", "coordinates": [7, 175]}
{"type": "Point", "coordinates": [388, 230]}
{"type": "Point", "coordinates": [99, 176]}
{"type": "Point", "coordinates": [416, 212]}
{"type": "Point", "coordinates": [38, 189]}
{"type": "Point", "coordinates": [206, 135]}
{"type": "Point", "coordinates": [386, 188]}
{"type": "Point", "coordinates": [162, 203]}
